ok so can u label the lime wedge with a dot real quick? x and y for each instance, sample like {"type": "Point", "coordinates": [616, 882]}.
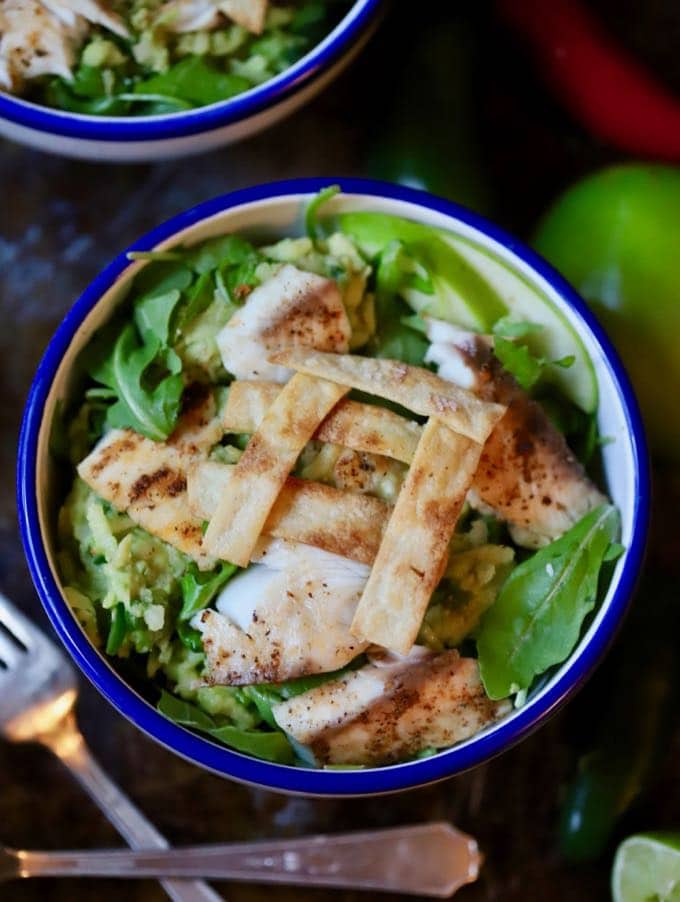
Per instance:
{"type": "Point", "coordinates": [647, 869]}
{"type": "Point", "coordinates": [474, 288]}
{"type": "Point", "coordinates": [558, 337]}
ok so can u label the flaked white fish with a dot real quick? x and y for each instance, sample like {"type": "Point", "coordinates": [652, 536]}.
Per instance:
{"type": "Point", "coordinates": [42, 37]}
{"type": "Point", "coordinates": [293, 308]}
{"type": "Point", "coordinates": [287, 615]}
{"type": "Point", "coordinates": [391, 708]}
{"type": "Point", "coordinates": [527, 474]}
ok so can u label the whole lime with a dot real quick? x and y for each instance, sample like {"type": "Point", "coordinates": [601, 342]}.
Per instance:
{"type": "Point", "coordinates": [615, 236]}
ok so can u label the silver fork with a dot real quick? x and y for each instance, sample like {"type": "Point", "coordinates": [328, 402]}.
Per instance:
{"type": "Point", "coordinates": [38, 692]}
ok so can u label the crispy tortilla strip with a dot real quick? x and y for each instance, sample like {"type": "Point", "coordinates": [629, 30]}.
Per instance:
{"type": "Point", "coordinates": [343, 523]}
{"type": "Point", "coordinates": [264, 466]}
{"type": "Point", "coordinates": [414, 549]}
{"type": "Point", "coordinates": [411, 386]}
{"type": "Point", "coordinates": [247, 403]}
{"type": "Point", "coordinates": [361, 427]}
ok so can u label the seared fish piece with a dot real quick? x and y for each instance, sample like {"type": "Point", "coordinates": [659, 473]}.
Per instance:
{"type": "Point", "coordinates": [291, 309]}
{"type": "Point", "coordinates": [35, 42]}
{"type": "Point", "coordinates": [527, 474]}
{"type": "Point", "coordinates": [148, 479]}
{"type": "Point", "coordinates": [196, 15]}
{"type": "Point", "coordinates": [391, 708]}
{"type": "Point", "coordinates": [94, 11]}
{"type": "Point", "coordinates": [41, 37]}
{"type": "Point", "coordinates": [286, 616]}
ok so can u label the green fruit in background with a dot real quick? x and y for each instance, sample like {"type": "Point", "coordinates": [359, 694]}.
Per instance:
{"type": "Point", "coordinates": [615, 236]}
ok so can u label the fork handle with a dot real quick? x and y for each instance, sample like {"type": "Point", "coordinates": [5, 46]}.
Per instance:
{"type": "Point", "coordinates": [68, 744]}
{"type": "Point", "coordinates": [425, 860]}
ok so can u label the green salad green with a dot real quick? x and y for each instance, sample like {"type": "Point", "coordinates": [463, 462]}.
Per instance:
{"type": "Point", "coordinates": [518, 610]}
{"type": "Point", "coordinates": [151, 57]}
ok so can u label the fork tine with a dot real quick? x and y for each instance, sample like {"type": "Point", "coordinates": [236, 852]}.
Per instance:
{"type": "Point", "coordinates": [10, 651]}
{"type": "Point", "coordinates": [15, 623]}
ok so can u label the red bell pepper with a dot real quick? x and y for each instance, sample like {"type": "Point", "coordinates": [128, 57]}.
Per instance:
{"type": "Point", "coordinates": [602, 85]}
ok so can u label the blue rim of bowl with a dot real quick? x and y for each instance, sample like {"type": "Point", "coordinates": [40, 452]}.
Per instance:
{"type": "Point", "coordinates": [219, 758]}
{"type": "Point", "coordinates": [192, 122]}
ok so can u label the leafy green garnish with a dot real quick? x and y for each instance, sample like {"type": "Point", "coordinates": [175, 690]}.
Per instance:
{"type": "Point", "coordinates": [189, 637]}
{"type": "Point", "coordinates": [271, 746]}
{"type": "Point", "coordinates": [145, 378]}
{"type": "Point", "coordinates": [519, 361]}
{"type": "Point", "coordinates": [536, 620]}
{"type": "Point", "coordinates": [199, 589]}
{"type": "Point", "coordinates": [184, 713]}
{"type": "Point", "coordinates": [458, 294]}
{"type": "Point", "coordinates": [117, 630]}
{"type": "Point", "coordinates": [265, 695]}
{"type": "Point", "coordinates": [508, 327]}
{"type": "Point", "coordinates": [195, 81]}
{"type": "Point", "coordinates": [197, 300]}
{"type": "Point", "coordinates": [152, 315]}
{"type": "Point", "coordinates": [217, 253]}
{"type": "Point", "coordinates": [398, 270]}
{"type": "Point", "coordinates": [313, 207]}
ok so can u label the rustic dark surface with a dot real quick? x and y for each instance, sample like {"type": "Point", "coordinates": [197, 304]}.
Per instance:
{"type": "Point", "coordinates": [60, 222]}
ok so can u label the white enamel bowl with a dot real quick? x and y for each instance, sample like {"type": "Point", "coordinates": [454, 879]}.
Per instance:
{"type": "Point", "coordinates": [130, 139]}
{"type": "Point", "coordinates": [273, 211]}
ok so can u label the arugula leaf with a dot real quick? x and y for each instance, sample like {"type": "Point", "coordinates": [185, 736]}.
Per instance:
{"type": "Point", "coordinates": [194, 80]}
{"type": "Point", "coordinates": [199, 589]}
{"type": "Point", "coordinates": [264, 697]}
{"type": "Point", "coordinates": [184, 713]}
{"type": "Point", "coordinates": [507, 327]}
{"type": "Point", "coordinates": [536, 620]}
{"type": "Point", "coordinates": [216, 253]}
{"type": "Point", "coordinates": [519, 361]}
{"type": "Point", "coordinates": [398, 269]}
{"type": "Point", "coordinates": [189, 637]}
{"type": "Point", "coordinates": [165, 272]}
{"type": "Point", "coordinates": [152, 315]}
{"type": "Point", "coordinates": [271, 746]}
{"type": "Point", "coordinates": [313, 207]}
{"type": "Point", "coordinates": [197, 300]}
{"type": "Point", "coordinates": [148, 408]}
{"type": "Point", "coordinates": [395, 337]}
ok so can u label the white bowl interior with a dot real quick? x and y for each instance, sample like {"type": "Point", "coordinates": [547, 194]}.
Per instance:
{"type": "Point", "coordinates": [279, 216]}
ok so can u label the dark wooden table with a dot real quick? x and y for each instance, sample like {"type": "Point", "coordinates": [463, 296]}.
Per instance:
{"type": "Point", "coordinates": [60, 222]}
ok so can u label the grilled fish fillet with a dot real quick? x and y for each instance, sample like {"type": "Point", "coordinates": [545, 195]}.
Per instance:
{"type": "Point", "coordinates": [94, 11]}
{"type": "Point", "coordinates": [286, 616]}
{"type": "Point", "coordinates": [527, 474]}
{"type": "Point", "coordinates": [197, 15]}
{"type": "Point", "coordinates": [42, 37]}
{"type": "Point", "coordinates": [148, 479]}
{"type": "Point", "coordinates": [391, 708]}
{"type": "Point", "coordinates": [291, 309]}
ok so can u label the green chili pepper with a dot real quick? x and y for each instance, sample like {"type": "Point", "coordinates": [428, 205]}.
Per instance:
{"type": "Point", "coordinates": [629, 713]}
{"type": "Point", "coordinates": [427, 137]}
